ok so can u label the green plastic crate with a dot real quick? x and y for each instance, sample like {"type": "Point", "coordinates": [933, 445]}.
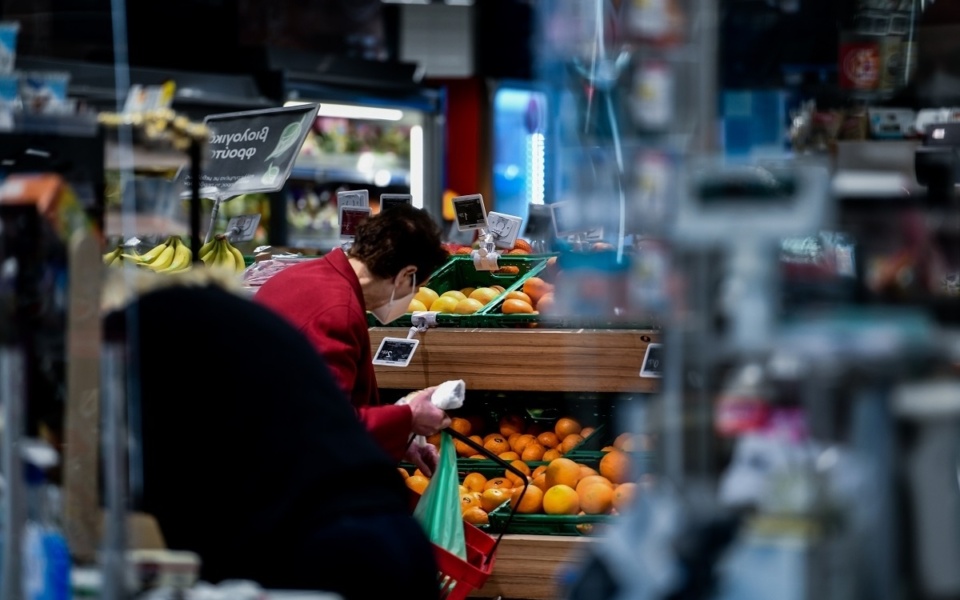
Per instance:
{"type": "Point", "coordinates": [458, 273]}
{"type": "Point", "coordinates": [543, 524]}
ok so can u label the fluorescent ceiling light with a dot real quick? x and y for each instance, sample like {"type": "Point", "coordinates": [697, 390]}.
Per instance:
{"type": "Point", "coordinates": [351, 111]}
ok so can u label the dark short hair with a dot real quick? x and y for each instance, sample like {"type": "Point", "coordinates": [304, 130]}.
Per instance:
{"type": "Point", "coordinates": [390, 240]}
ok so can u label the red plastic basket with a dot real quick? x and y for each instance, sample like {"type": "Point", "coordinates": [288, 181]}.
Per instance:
{"type": "Point", "coordinates": [457, 577]}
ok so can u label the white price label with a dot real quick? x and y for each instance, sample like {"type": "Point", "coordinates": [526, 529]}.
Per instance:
{"type": "Point", "coordinates": [353, 198]}
{"type": "Point", "coordinates": [395, 352]}
{"type": "Point", "coordinates": [242, 228]}
{"type": "Point", "coordinates": [505, 229]}
{"type": "Point", "coordinates": [652, 361]}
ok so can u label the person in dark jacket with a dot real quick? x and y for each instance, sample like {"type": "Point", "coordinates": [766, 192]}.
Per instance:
{"type": "Point", "coordinates": [254, 458]}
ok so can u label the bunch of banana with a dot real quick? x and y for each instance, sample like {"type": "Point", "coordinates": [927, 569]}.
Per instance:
{"type": "Point", "coordinates": [219, 253]}
{"type": "Point", "coordinates": [172, 256]}
{"type": "Point", "coordinates": [117, 257]}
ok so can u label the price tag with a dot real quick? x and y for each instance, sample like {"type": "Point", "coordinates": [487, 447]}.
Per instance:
{"type": "Point", "coordinates": [395, 352]}
{"type": "Point", "coordinates": [354, 198]}
{"type": "Point", "coordinates": [505, 228]}
{"type": "Point", "coordinates": [567, 222]}
{"type": "Point", "coordinates": [252, 151]}
{"type": "Point", "coordinates": [651, 361]}
{"type": "Point", "coordinates": [242, 228]}
{"type": "Point", "coordinates": [470, 212]}
{"type": "Point", "coordinates": [388, 201]}
{"type": "Point", "coordinates": [350, 218]}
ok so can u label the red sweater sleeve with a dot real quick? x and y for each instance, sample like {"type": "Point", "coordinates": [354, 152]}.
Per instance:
{"type": "Point", "coordinates": [339, 337]}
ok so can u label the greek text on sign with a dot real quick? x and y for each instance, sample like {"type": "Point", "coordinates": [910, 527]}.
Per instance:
{"type": "Point", "coordinates": [252, 151]}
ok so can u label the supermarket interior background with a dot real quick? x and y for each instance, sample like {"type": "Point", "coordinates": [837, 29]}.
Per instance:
{"type": "Point", "coordinates": [697, 321]}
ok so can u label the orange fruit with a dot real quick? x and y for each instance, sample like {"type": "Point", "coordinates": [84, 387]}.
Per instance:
{"type": "Point", "coordinates": [484, 294]}
{"type": "Point", "coordinates": [520, 442]}
{"type": "Point", "coordinates": [476, 439]}
{"type": "Point", "coordinates": [463, 449]}
{"type": "Point", "coordinates": [531, 501]}
{"type": "Point", "coordinates": [467, 291]}
{"type": "Point", "coordinates": [520, 466]}
{"type": "Point", "coordinates": [586, 431]}
{"type": "Point", "coordinates": [586, 471]}
{"type": "Point", "coordinates": [514, 307]}
{"type": "Point", "coordinates": [445, 304]}
{"type": "Point", "coordinates": [490, 436]}
{"type": "Point", "coordinates": [512, 439]}
{"type": "Point", "coordinates": [460, 425]}
{"type": "Point", "coordinates": [510, 424]}
{"type": "Point", "coordinates": [508, 270]}
{"type": "Point", "coordinates": [497, 445]}
{"type": "Point", "coordinates": [594, 479]}
{"type": "Point", "coordinates": [467, 306]}
{"type": "Point", "coordinates": [434, 439]}
{"type": "Point", "coordinates": [548, 439]}
{"type": "Point", "coordinates": [415, 306]}
{"type": "Point", "coordinates": [570, 442]}
{"type": "Point", "coordinates": [492, 498]}
{"type": "Point", "coordinates": [497, 482]}
{"type": "Point", "coordinates": [420, 473]}
{"type": "Point", "coordinates": [540, 470]}
{"type": "Point", "coordinates": [522, 244]}
{"type": "Point", "coordinates": [478, 456]}
{"type": "Point", "coordinates": [561, 500]}
{"type": "Point", "coordinates": [551, 269]}
{"type": "Point", "coordinates": [426, 296]}
{"type": "Point", "coordinates": [596, 498]}
{"type": "Point", "coordinates": [464, 250]}
{"type": "Point", "coordinates": [518, 296]}
{"type": "Point", "coordinates": [468, 500]}
{"type": "Point", "coordinates": [403, 472]}
{"type": "Point", "coordinates": [535, 288]}
{"type": "Point", "coordinates": [621, 440]}
{"type": "Point", "coordinates": [476, 516]}
{"type": "Point", "coordinates": [518, 251]}
{"type": "Point", "coordinates": [546, 303]}
{"type": "Point", "coordinates": [566, 426]}
{"type": "Point", "coordinates": [454, 294]}
{"type": "Point", "coordinates": [500, 288]}
{"type": "Point", "coordinates": [622, 495]}
{"type": "Point", "coordinates": [533, 451]}
{"type": "Point", "coordinates": [508, 456]}
{"type": "Point", "coordinates": [615, 466]}
{"type": "Point", "coordinates": [607, 449]}
{"type": "Point", "coordinates": [417, 483]}
{"type": "Point", "coordinates": [474, 482]}
{"type": "Point", "coordinates": [562, 471]}
{"type": "Point", "coordinates": [551, 454]}
{"type": "Point", "coordinates": [540, 481]}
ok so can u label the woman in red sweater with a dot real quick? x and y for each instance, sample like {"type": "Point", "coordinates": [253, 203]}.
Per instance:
{"type": "Point", "coordinates": [327, 299]}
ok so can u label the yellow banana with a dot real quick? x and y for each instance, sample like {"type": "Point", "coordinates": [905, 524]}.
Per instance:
{"type": "Point", "coordinates": [225, 258]}
{"type": "Point", "coordinates": [164, 259]}
{"type": "Point", "coordinates": [150, 255]}
{"type": "Point", "coordinates": [181, 258]}
{"type": "Point", "coordinates": [206, 248]}
{"type": "Point", "coordinates": [113, 255]}
{"type": "Point", "coordinates": [239, 264]}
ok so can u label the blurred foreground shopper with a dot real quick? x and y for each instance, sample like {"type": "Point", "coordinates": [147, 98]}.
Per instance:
{"type": "Point", "coordinates": [327, 299]}
{"type": "Point", "coordinates": [253, 457]}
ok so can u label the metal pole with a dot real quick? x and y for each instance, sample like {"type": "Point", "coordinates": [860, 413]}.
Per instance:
{"type": "Point", "coordinates": [13, 400]}
{"type": "Point", "coordinates": [115, 472]}
{"type": "Point", "coordinates": [195, 201]}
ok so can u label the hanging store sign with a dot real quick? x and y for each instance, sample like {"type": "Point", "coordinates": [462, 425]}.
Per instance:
{"type": "Point", "coordinates": [252, 151]}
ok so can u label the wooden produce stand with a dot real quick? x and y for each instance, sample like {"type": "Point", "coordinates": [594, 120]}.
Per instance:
{"type": "Point", "coordinates": [517, 360]}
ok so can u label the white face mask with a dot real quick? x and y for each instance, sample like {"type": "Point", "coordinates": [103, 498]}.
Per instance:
{"type": "Point", "coordinates": [397, 307]}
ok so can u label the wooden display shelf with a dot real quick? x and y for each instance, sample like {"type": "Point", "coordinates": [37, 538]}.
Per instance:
{"type": "Point", "coordinates": [529, 567]}
{"type": "Point", "coordinates": [542, 360]}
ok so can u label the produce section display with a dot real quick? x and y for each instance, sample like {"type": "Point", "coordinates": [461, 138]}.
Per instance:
{"type": "Point", "coordinates": [568, 493]}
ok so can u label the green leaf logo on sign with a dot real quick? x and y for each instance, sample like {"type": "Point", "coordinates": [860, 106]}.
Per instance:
{"type": "Point", "coordinates": [287, 139]}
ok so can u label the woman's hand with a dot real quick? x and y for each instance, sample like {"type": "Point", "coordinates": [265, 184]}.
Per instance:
{"type": "Point", "coordinates": [427, 418]}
